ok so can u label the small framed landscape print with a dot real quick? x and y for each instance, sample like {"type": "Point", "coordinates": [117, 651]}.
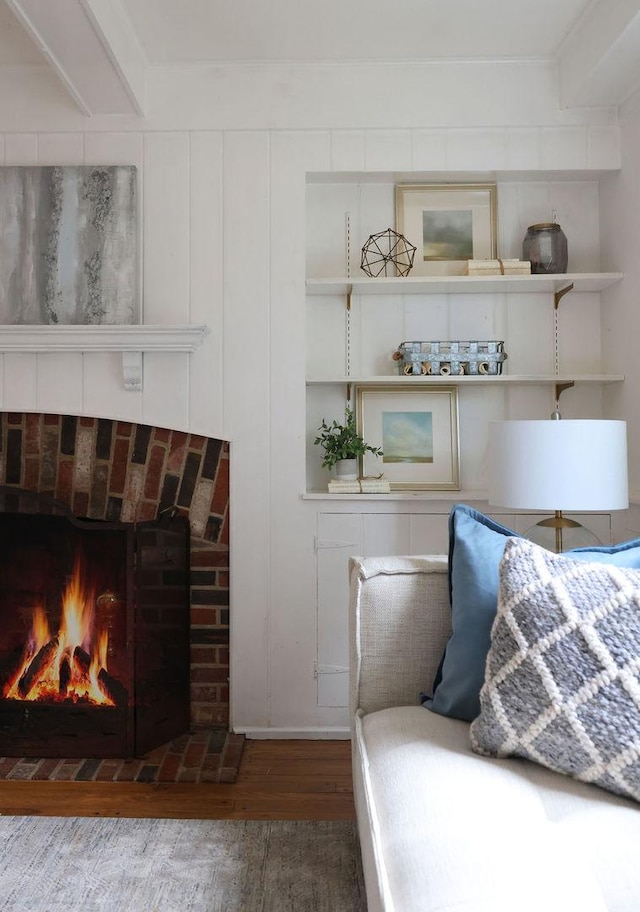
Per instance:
{"type": "Point", "coordinates": [449, 224]}
{"type": "Point", "coordinates": [417, 429]}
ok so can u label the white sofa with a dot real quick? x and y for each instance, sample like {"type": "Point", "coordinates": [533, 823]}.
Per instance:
{"type": "Point", "coordinates": [443, 829]}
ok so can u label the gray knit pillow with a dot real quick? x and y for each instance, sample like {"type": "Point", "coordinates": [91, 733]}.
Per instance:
{"type": "Point", "coordinates": [562, 684]}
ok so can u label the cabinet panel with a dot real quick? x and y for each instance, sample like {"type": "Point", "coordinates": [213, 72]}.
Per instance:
{"type": "Point", "coordinates": [429, 533]}
{"type": "Point", "coordinates": [339, 536]}
{"type": "Point", "coordinates": [386, 533]}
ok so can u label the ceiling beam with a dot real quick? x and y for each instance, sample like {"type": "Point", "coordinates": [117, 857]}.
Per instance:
{"type": "Point", "coordinates": [92, 47]}
{"type": "Point", "coordinates": [599, 60]}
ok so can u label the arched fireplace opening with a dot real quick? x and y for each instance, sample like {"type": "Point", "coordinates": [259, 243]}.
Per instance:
{"type": "Point", "coordinates": [94, 631]}
{"type": "Point", "coordinates": [113, 481]}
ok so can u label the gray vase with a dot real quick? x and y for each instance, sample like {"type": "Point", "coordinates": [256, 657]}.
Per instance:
{"type": "Point", "coordinates": [545, 246]}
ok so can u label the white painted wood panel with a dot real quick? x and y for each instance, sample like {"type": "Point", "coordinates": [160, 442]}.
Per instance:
{"type": "Point", "coordinates": [347, 150]}
{"type": "Point", "coordinates": [206, 281]}
{"type": "Point", "coordinates": [430, 533]}
{"type": "Point", "coordinates": [339, 536]}
{"type": "Point", "coordinates": [60, 148]}
{"type": "Point", "coordinates": [165, 396]}
{"type": "Point", "coordinates": [115, 149]}
{"type": "Point", "coordinates": [59, 383]}
{"type": "Point", "coordinates": [387, 150]}
{"type": "Point", "coordinates": [103, 392]}
{"type": "Point", "coordinates": [19, 387]}
{"type": "Point", "coordinates": [166, 228]}
{"type": "Point", "coordinates": [386, 533]}
{"type": "Point", "coordinates": [21, 149]}
{"type": "Point", "coordinates": [247, 322]}
{"type": "Point", "coordinates": [292, 646]}
{"type": "Point", "coordinates": [476, 150]}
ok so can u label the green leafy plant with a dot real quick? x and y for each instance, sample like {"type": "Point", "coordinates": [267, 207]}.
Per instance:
{"type": "Point", "coordinates": [342, 441]}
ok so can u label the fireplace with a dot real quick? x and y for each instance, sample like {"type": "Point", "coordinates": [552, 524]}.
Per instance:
{"type": "Point", "coordinates": [94, 631]}
{"type": "Point", "coordinates": [118, 476]}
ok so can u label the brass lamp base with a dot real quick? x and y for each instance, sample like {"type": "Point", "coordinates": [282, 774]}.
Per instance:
{"type": "Point", "coordinates": [558, 533]}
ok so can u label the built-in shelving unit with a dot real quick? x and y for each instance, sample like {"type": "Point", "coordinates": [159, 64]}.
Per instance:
{"type": "Point", "coordinates": [556, 285]}
{"type": "Point", "coordinates": [131, 340]}
{"type": "Point", "coordinates": [552, 288]}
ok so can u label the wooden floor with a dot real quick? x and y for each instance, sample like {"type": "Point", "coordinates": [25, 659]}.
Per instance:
{"type": "Point", "coordinates": [278, 780]}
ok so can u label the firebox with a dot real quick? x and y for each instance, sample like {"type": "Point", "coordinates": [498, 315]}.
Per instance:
{"type": "Point", "coordinates": [94, 631]}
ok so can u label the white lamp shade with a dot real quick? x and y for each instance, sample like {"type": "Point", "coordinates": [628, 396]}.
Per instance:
{"type": "Point", "coordinates": [558, 465]}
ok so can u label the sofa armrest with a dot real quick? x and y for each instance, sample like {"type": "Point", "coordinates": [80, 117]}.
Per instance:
{"type": "Point", "coordinates": [399, 620]}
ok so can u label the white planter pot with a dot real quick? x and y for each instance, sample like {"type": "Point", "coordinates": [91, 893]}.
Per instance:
{"type": "Point", "coordinates": [347, 469]}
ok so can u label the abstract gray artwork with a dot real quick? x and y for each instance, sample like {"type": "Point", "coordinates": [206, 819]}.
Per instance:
{"type": "Point", "coordinates": [68, 245]}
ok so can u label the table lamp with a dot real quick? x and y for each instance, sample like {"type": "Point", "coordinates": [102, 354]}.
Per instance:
{"type": "Point", "coordinates": [559, 465]}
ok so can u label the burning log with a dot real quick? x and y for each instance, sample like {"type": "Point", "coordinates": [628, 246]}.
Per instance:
{"type": "Point", "coordinates": [110, 685]}
{"type": "Point", "coordinates": [9, 668]}
{"type": "Point", "coordinates": [38, 666]}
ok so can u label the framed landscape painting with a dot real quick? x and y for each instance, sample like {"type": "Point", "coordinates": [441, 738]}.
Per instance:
{"type": "Point", "coordinates": [417, 429]}
{"type": "Point", "coordinates": [449, 224]}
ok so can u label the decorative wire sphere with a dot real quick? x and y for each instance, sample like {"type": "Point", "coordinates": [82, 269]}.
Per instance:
{"type": "Point", "coordinates": [385, 250]}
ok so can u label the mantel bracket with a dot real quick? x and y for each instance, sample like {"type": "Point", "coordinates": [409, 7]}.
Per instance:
{"type": "Point", "coordinates": [558, 295]}
{"type": "Point", "coordinates": [132, 370]}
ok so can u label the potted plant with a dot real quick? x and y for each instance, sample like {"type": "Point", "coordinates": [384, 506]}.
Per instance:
{"type": "Point", "coordinates": [342, 444]}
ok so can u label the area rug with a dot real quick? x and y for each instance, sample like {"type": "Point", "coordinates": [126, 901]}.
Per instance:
{"type": "Point", "coordinates": [54, 864]}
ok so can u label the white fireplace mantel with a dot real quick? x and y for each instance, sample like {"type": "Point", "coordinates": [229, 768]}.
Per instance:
{"type": "Point", "coordinates": [132, 341]}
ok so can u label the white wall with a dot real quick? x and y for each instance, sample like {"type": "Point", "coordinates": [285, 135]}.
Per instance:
{"type": "Point", "coordinates": [224, 157]}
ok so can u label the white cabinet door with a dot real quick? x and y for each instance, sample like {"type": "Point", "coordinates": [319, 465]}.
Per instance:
{"type": "Point", "coordinates": [339, 537]}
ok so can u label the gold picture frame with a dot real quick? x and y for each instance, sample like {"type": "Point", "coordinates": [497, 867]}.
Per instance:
{"type": "Point", "coordinates": [417, 429]}
{"type": "Point", "coordinates": [449, 224]}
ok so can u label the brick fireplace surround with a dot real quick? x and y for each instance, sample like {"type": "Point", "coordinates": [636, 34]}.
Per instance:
{"type": "Point", "coordinates": [119, 471]}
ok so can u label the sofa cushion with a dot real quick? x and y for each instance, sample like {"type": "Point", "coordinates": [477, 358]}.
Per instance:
{"type": "Point", "coordinates": [451, 830]}
{"type": "Point", "coordinates": [476, 544]}
{"type": "Point", "coordinates": [562, 684]}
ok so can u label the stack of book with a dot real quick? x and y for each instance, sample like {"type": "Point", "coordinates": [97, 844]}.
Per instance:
{"type": "Point", "coordinates": [360, 486]}
{"type": "Point", "coordinates": [498, 267]}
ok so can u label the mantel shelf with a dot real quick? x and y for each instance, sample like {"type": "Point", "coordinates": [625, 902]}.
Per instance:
{"type": "Point", "coordinates": [130, 340]}
{"type": "Point", "coordinates": [496, 284]}
{"type": "Point", "coordinates": [457, 380]}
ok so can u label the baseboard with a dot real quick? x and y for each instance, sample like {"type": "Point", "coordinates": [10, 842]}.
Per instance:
{"type": "Point", "coordinates": [339, 733]}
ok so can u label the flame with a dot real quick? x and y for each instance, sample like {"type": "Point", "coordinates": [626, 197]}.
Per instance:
{"type": "Point", "coordinates": [66, 666]}
{"type": "Point", "coordinates": [40, 633]}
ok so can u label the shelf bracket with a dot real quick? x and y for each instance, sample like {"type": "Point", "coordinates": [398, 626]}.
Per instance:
{"type": "Point", "coordinates": [558, 295]}
{"type": "Point", "coordinates": [349, 293]}
{"type": "Point", "coordinates": [559, 389]}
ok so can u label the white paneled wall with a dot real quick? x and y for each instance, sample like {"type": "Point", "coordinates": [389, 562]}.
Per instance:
{"type": "Point", "coordinates": [181, 281]}
{"type": "Point", "coordinates": [224, 159]}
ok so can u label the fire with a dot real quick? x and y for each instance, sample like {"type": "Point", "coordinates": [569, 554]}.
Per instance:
{"type": "Point", "coordinates": [68, 665]}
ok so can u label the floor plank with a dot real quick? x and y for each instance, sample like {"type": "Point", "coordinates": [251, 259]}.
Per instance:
{"type": "Point", "coordinates": [277, 780]}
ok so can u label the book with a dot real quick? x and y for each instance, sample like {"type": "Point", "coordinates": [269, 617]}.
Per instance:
{"type": "Point", "coordinates": [361, 486]}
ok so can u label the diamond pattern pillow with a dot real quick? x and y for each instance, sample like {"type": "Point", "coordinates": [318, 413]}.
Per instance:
{"type": "Point", "coordinates": [562, 682]}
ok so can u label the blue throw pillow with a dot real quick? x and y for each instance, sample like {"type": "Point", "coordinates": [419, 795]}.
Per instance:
{"type": "Point", "coordinates": [476, 543]}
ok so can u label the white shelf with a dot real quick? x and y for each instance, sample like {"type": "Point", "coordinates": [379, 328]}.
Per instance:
{"type": "Point", "coordinates": [582, 281]}
{"type": "Point", "coordinates": [130, 340]}
{"type": "Point", "coordinates": [458, 380]}
{"type": "Point", "coordinates": [445, 496]}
